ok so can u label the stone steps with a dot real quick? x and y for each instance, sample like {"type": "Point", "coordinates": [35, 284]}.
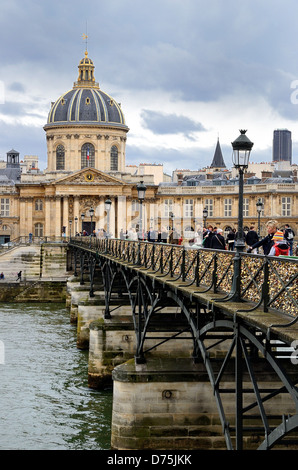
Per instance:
{"type": "Point", "coordinates": [21, 258]}
{"type": "Point", "coordinates": [35, 261]}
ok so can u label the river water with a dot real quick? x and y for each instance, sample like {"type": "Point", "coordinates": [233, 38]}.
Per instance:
{"type": "Point", "coordinates": [45, 402]}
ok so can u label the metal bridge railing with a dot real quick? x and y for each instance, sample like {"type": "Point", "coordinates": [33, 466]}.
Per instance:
{"type": "Point", "coordinates": [26, 240]}
{"type": "Point", "coordinates": [268, 281]}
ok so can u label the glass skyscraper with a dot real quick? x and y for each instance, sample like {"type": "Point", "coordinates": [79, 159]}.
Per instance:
{"type": "Point", "coordinates": [282, 146]}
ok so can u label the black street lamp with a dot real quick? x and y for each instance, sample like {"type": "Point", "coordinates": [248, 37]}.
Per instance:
{"type": "Point", "coordinates": [82, 217]}
{"type": "Point", "coordinates": [76, 225]}
{"type": "Point", "coordinates": [141, 195]}
{"type": "Point", "coordinates": [205, 215]}
{"type": "Point", "coordinates": [91, 212]}
{"type": "Point", "coordinates": [259, 205]}
{"type": "Point", "coordinates": [108, 203]}
{"type": "Point", "coordinates": [172, 219]}
{"type": "Point", "coordinates": [241, 151]}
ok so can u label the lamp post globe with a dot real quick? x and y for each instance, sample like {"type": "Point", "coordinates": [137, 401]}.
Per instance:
{"type": "Point", "coordinates": [241, 152]}
{"type": "Point", "coordinates": [108, 203]}
{"type": "Point", "coordinates": [82, 217]}
{"type": "Point", "coordinates": [205, 215]}
{"type": "Point", "coordinates": [172, 219]}
{"type": "Point", "coordinates": [141, 188]}
{"type": "Point", "coordinates": [259, 205]}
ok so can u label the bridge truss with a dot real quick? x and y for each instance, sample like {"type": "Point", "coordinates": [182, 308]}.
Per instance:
{"type": "Point", "coordinates": [248, 361]}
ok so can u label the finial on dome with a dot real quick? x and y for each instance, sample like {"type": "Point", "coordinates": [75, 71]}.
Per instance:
{"type": "Point", "coordinates": [85, 37]}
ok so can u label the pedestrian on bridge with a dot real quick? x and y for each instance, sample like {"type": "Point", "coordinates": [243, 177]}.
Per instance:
{"type": "Point", "coordinates": [231, 237]}
{"type": "Point", "coordinates": [266, 242]}
{"type": "Point", "coordinates": [207, 236]}
{"type": "Point", "coordinates": [280, 246]}
{"type": "Point", "coordinates": [251, 238]}
{"type": "Point", "coordinates": [19, 278]}
{"type": "Point", "coordinates": [289, 235]}
{"type": "Point", "coordinates": [217, 240]}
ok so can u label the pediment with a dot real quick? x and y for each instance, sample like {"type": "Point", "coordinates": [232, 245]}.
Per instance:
{"type": "Point", "coordinates": [88, 176]}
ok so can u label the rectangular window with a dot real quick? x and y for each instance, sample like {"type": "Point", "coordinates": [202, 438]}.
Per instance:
{"type": "Point", "coordinates": [38, 230]}
{"type": "Point", "coordinates": [188, 208]}
{"type": "Point", "coordinates": [209, 207]}
{"type": "Point", "coordinates": [4, 211]}
{"type": "Point", "coordinates": [285, 206]}
{"type": "Point", "coordinates": [245, 207]}
{"type": "Point", "coordinates": [168, 207]}
{"type": "Point", "coordinates": [228, 207]}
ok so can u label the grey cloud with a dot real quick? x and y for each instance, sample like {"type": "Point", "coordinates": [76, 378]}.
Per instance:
{"type": "Point", "coordinates": [10, 108]}
{"type": "Point", "coordinates": [162, 123]}
{"type": "Point", "coordinates": [17, 86]}
{"type": "Point", "coordinates": [26, 140]}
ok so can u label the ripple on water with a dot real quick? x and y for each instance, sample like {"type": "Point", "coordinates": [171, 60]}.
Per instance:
{"type": "Point", "coordinates": [45, 400]}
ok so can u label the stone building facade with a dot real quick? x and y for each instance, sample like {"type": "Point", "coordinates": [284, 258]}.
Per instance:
{"type": "Point", "coordinates": [86, 137]}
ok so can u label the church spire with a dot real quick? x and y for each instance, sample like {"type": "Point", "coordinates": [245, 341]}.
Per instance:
{"type": "Point", "coordinates": [218, 161]}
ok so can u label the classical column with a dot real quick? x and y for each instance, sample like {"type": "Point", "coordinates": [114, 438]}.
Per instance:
{"type": "Point", "coordinates": [156, 213]}
{"type": "Point", "coordinates": [129, 212]}
{"type": "Point", "coordinates": [58, 217]}
{"type": "Point", "coordinates": [100, 212]}
{"type": "Point", "coordinates": [112, 217]}
{"type": "Point", "coordinates": [121, 215]}
{"type": "Point", "coordinates": [76, 207]}
{"type": "Point", "coordinates": [29, 207]}
{"type": "Point", "coordinates": [65, 212]}
{"type": "Point", "coordinates": [48, 229]}
{"type": "Point", "coordinates": [23, 227]}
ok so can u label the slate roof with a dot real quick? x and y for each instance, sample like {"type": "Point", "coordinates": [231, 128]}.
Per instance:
{"type": "Point", "coordinates": [10, 175]}
{"type": "Point", "coordinates": [86, 106]}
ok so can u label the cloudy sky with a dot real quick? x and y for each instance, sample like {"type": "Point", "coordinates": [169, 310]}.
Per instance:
{"type": "Point", "coordinates": [186, 72]}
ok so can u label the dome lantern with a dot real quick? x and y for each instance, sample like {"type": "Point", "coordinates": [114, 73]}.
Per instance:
{"type": "Point", "coordinates": [86, 73]}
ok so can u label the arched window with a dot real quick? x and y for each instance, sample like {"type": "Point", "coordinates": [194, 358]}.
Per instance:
{"type": "Point", "coordinates": [60, 157]}
{"type": "Point", "coordinates": [38, 205]}
{"type": "Point", "coordinates": [38, 230]}
{"type": "Point", "coordinates": [87, 156]}
{"type": "Point", "coordinates": [114, 158]}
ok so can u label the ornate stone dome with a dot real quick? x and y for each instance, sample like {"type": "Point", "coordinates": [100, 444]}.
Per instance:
{"type": "Point", "coordinates": [86, 104]}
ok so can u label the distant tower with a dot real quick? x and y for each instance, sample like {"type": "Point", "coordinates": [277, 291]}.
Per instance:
{"type": "Point", "coordinates": [218, 161]}
{"type": "Point", "coordinates": [13, 158]}
{"type": "Point", "coordinates": [282, 146]}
